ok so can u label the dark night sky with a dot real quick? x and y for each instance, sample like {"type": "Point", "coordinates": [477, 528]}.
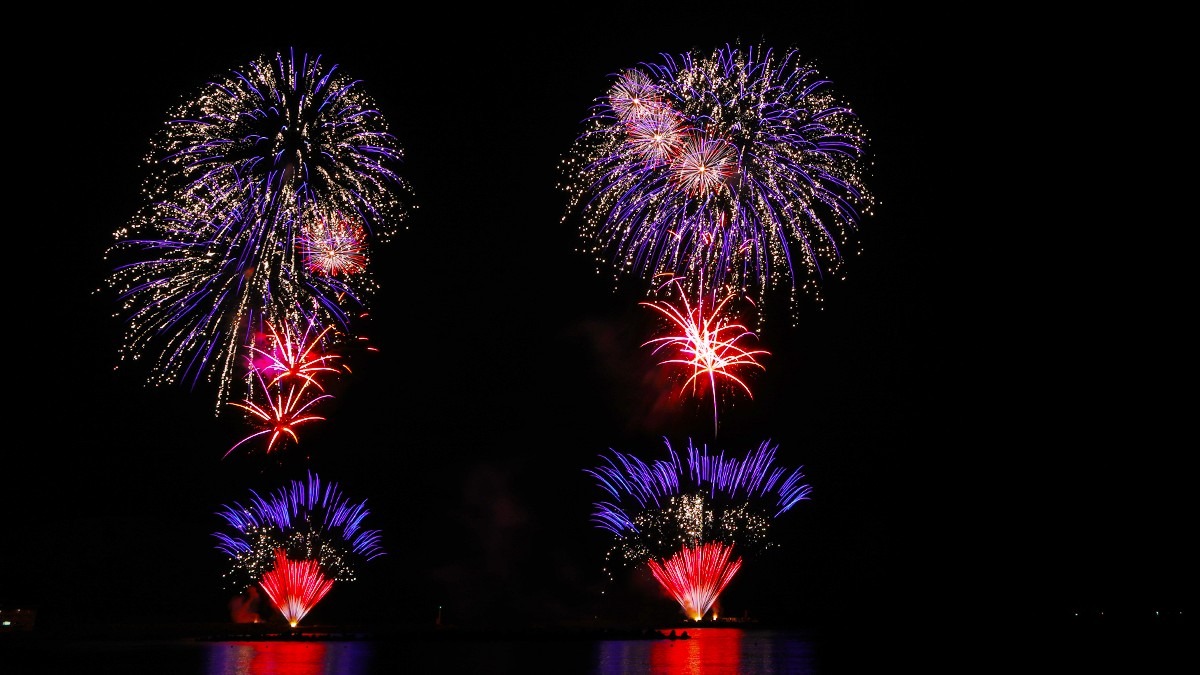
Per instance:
{"type": "Point", "coordinates": [968, 451]}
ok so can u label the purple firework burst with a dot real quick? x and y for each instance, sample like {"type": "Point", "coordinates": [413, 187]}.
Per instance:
{"type": "Point", "coordinates": [741, 167]}
{"type": "Point", "coordinates": [235, 177]}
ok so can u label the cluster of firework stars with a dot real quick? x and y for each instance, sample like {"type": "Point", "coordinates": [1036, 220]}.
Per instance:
{"type": "Point", "coordinates": [717, 177]}
{"type": "Point", "coordinates": [711, 178]}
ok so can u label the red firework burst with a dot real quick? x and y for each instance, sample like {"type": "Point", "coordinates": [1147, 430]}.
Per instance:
{"type": "Point", "coordinates": [706, 341]}
{"type": "Point", "coordinates": [286, 408]}
{"type": "Point", "coordinates": [290, 358]}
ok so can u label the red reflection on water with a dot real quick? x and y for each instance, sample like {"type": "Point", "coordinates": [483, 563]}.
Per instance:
{"type": "Point", "coordinates": [710, 651]}
{"type": "Point", "coordinates": [272, 658]}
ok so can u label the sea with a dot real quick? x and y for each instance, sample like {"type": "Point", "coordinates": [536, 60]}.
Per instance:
{"type": "Point", "coordinates": [1014, 649]}
{"type": "Point", "coordinates": [703, 650]}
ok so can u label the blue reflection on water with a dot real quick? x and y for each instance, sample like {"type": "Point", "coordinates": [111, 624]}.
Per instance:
{"type": "Point", "coordinates": [711, 651]}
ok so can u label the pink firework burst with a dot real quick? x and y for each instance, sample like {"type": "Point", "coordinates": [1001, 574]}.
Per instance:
{"type": "Point", "coordinates": [703, 165]}
{"type": "Point", "coordinates": [696, 576]}
{"type": "Point", "coordinates": [707, 342]}
{"type": "Point", "coordinates": [286, 408]}
{"type": "Point", "coordinates": [658, 136]}
{"type": "Point", "coordinates": [634, 95]}
{"type": "Point", "coordinates": [295, 586]}
{"type": "Point", "coordinates": [333, 245]}
{"type": "Point", "coordinates": [288, 358]}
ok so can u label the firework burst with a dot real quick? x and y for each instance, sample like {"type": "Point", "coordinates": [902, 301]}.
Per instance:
{"type": "Point", "coordinates": [685, 519]}
{"type": "Point", "coordinates": [292, 358]}
{"type": "Point", "coordinates": [264, 191]}
{"type": "Point", "coordinates": [285, 407]}
{"type": "Point", "coordinates": [706, 342]}
{"type": "Point", "coordinates": [333, 245]}
{"type": "Point", "coordinates": [741, 163]}
{"type": "Point", "coordinates": [658, 138]}
{"type": "Point", "coordinates": [296, 542]}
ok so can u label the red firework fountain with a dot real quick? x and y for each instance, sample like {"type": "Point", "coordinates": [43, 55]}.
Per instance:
{"type": "Point", "coordinates": [695, 576]}
{"type": "Point", "coordinates": [295, 586]}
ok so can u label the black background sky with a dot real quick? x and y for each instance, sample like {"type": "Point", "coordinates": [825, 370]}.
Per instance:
{"type": "Point", "coordinates": [970, 453]}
